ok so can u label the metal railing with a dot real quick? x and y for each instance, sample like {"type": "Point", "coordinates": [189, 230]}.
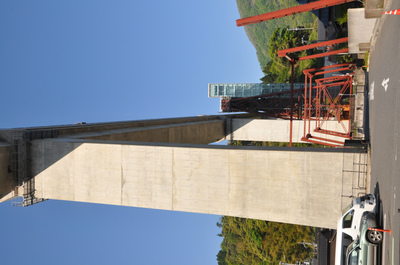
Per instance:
{"type": "Point", "coordinates": [357, 173]}
{"type": "Point", "coordinates": [20, 167]}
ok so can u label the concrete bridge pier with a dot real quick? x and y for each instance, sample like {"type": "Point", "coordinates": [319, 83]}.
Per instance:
{"type": "Point", "coordinates": [120, 164]}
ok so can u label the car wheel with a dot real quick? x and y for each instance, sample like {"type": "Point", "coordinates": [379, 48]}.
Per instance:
{"type": "Point", "coordinates": [374, 237]}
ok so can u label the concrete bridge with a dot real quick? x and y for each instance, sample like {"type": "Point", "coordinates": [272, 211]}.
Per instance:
{"type": "Point", "coordinates": [169, 164]}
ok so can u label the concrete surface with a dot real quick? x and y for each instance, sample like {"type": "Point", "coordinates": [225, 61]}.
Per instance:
{"type": "Point", "coordinates": [6, 178]}
{"type": "Point", "coordinates": [278, 184]}
{"type": "Point", "coordinates": [384, 105]}
{"type": "Point", "coordinates": [200, 132]}
{"type": "Point", "coordinates": [110, 164]}
{"type": "Point", "coordinates": [374, 8]}
{"type": "Point", "coordinates": [359, 124]}
{"type": "Point", "coordinates": [278, 130]}
{"type": "Point", "coordinates": [360, 30]}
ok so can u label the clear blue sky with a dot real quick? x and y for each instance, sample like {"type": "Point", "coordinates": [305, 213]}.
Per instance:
{"type": "Point", "coordinates": [63, 62]}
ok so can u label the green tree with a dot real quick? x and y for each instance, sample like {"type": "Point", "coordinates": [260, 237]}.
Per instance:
{"type": "Point", "coordinates": [259, 34]}
{"type": "Point", "coordinates": [248, 241]}
{"type": "Point", "coordinates": [278, 70]}
{"type": "Point", "coordinates": [221, 256]}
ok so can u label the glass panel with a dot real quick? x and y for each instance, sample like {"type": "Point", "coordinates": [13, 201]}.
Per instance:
{"type": "Point", "coordinates": [257, 90]}
{"type": "Point", "coordinates": [239, 92]}
{"type": "Point", "coordinates": [221, 90]}
{"type": "Point", "coordinates": [353, 259]}
{"type": "Point", "coordinates": [230, 90]}
{"type": "Point", "coordinates": [346, 243]}
{"type": "Point", "coordinates": [347, 219]}
{"type": "Point", "coordinates": [247, 92]}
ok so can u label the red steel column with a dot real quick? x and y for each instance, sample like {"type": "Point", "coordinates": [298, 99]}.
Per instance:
{"type": "Point", "coordinates": [292, 63]}
{"type": "Point", "coordinates": [282, 53]}
{"type": "Point", "coordinates": [305, 103]}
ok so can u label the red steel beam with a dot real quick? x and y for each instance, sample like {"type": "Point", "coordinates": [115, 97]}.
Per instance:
{"type": "Point", "coordinates": [333, 108]}
{"type": "Point", "coordinates": [334, 70]}
{"type": "Point", "coordinates": [282, 53]}
{"type": "Point", "coordinates": [323, 54]}
{"type": "Point", "coordinates": [332, 79]}
{"type": "Point", "coordinates": [289, 11]}
{"type": "Point", "coordinates": [325, 139]}
{"type": "Point", "coordinates": [338, 134]}
{"type": "Point", "coordinates": [318, 86]}
{"type": "Point", "coordinates": [330, 108]}
{"type": "Point", "coordinates": [305, 139]}
{"type": "Point", "coordinates": [326, 67]}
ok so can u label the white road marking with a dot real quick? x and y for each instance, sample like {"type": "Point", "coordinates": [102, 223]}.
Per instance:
{"type": "Point", "coordinates": [385, 83]}
{"type": "Point", "coordinates": [371, 91]}
{"type": "Point", "coordinates": [384, 221]}
{"type": "Point", "coordinates": [394, 200]}
{"type": "Point", "coordinates": [392, 250]}
{"type": "Point", "coordinates": [395, 147]}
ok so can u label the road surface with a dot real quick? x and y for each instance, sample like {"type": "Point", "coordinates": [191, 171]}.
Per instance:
{"type": "Point", "coordinates": [384, 120]}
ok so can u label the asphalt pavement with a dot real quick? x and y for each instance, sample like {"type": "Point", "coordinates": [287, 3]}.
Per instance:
{"type": "Point", "coordinates": [384, 121]}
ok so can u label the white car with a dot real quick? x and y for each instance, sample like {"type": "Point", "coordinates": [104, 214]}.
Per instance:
{"type": "Point", "coordinates": [348, 227]}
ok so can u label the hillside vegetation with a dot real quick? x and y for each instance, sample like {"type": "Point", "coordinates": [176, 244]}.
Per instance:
{"type": "Point", "coordinates": [276, 69]}
{"type": "Point", "coordinates": [248, 241]}
{"type": "Point", "coordinates": [259, 34]}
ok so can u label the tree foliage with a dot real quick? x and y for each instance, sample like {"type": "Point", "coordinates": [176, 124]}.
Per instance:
{"type": "Point", "coordinates": [248, 241]}
{"type": "Point", "coordinates": [259, 34]}
{"type": "Point", "coordinates": [278, 69]}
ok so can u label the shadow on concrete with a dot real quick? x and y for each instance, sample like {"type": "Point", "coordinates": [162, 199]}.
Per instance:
{"type": "Point", "coordinates": [379, 210]}
{"type": "Point", "coordinates": [374, 8]}
{"type": "Point", "coordinates": [379, 216]}
{"type": "Point", "coordinates": [366, 108]}
{"type": "Point", "coordinates": [29, 155]}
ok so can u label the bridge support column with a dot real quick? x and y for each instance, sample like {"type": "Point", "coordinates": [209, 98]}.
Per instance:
{"type": "Point", "coordinates": [275, 184]}
{"type": "Point", "coordinates": [166, 164]}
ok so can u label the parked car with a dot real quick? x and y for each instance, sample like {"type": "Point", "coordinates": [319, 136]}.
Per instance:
{"type": "Point", "coordinates": [350, 224]}
{"type": "Point", "coordinates": [364, 249]}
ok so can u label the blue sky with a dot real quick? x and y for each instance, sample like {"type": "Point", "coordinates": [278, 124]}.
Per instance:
{"type": "Point", "coordinates": [63, 62]}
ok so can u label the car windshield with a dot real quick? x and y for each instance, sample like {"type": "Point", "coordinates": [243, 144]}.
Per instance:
{"type": "Point", "coordinates": [352, 253]}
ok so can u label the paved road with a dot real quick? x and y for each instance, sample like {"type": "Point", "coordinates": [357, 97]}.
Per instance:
{"type": "Point", "coordinates": [384, 106]}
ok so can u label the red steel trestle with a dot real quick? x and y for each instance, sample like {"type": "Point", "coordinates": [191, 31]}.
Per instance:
{"type": "Point", "coordinates": [322, 106]}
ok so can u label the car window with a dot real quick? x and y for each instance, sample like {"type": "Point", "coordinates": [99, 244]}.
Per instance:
{"type": "Point", "coordinates": [347, 245]}
{"type": "Point", "coordinates": [347, 219]}
{"type": "Point", "coordinates": [352, 259]}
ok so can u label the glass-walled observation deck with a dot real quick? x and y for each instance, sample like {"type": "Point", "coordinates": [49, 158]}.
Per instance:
{"type": "Point", "coordinates": [241, 90]}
